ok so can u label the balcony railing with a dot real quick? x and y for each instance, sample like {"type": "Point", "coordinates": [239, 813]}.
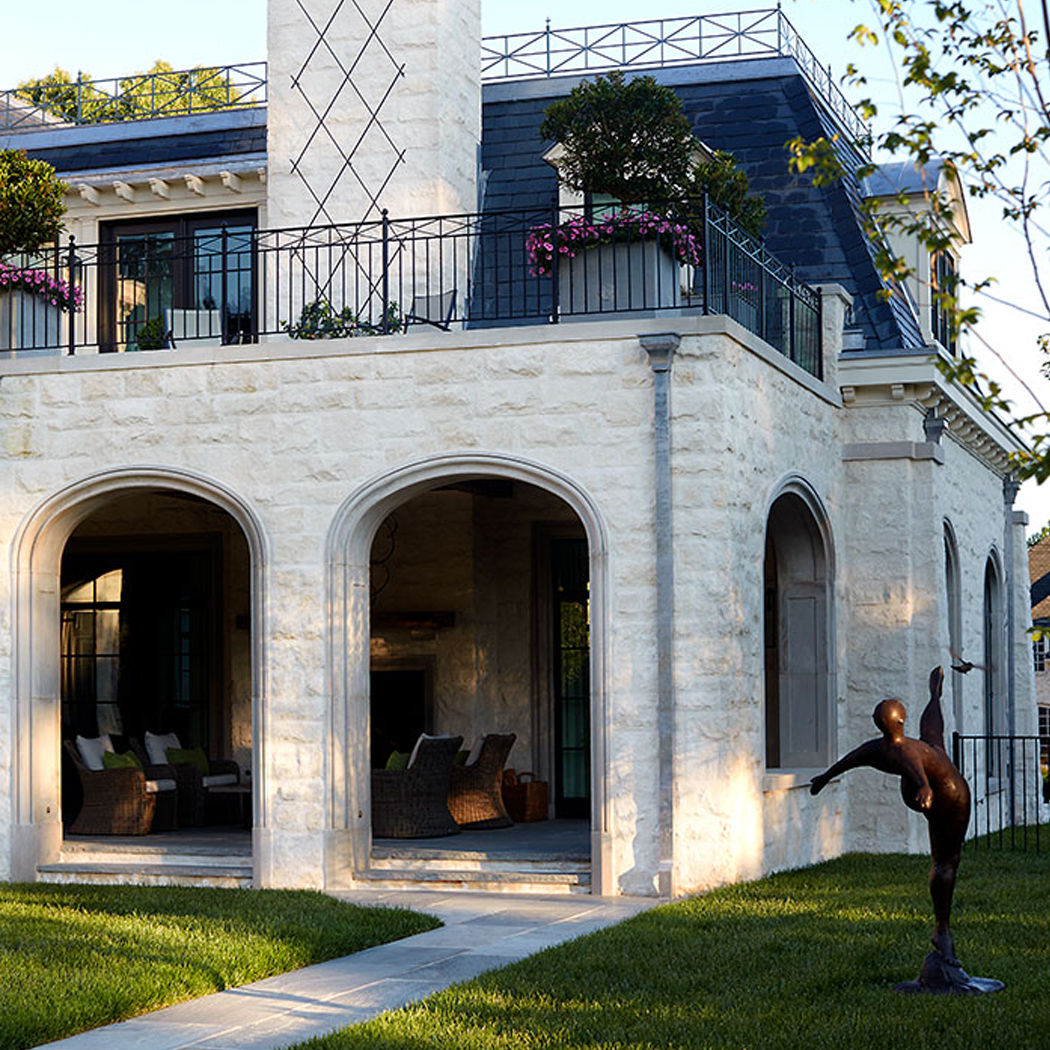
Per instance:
{"type": "Point", "coordinates": [141, 96]}
{"type": "Point", "coordinates": [651, 44]}
{"type": "Point", "coordinates": [234, 285]}
{"type": "Point", "coordinates": [661, 42]}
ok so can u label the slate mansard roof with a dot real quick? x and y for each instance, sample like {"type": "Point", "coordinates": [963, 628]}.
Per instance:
{"type": "Point", "coordinates": [750, 107]}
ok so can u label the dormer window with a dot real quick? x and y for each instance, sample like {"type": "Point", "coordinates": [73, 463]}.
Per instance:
{"type": "Point", "coordinates": [943, 280]}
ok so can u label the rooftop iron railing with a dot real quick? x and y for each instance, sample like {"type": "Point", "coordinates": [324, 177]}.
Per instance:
{"type": "Point", "coordinates": [237, 284]}
{"type": "Point", "coordinates": [140, 96]}
{"type": "Point", "coordinates": [662, 42]}
{"type": "Point", "coordinates": [651, 44]}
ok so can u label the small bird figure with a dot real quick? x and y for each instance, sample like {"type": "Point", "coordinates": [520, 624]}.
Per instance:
{"type": "Point", "coordinates": [964, 666]}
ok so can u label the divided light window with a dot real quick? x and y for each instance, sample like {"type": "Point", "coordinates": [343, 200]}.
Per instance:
{"type": "Point", "coordinates": [177, 281]}
{"type": "Point", "coordinates": [1039, 653]}
{"type": "Point", "coordinates": [942, 279]}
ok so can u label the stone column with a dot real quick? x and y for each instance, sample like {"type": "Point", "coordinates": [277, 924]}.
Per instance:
{"type": "Point", "coordinates": [372, 104]}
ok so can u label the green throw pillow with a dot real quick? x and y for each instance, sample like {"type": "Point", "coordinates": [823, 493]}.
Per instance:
{"type": "Point", "coordinates": [192, 756]}
{"type": "Point", "coordinates": [128, 760]}
{"type": "Point", "coordinates": [398, 760]}
{"type": "Point", "coordinates": [461, 758]}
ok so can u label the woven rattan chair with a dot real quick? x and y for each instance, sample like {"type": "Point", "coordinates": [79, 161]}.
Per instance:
{"type": "Point", "coordinates": [413, 803]}
{"type": "Point", "coordinates": [475, 794]}
{"type": "Point", "coordinates": [197, 806]}
{"type": "Point", "coordinates": [117, 802]}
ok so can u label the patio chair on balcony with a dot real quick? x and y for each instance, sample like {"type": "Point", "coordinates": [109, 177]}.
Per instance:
{"type": "Point", "coordinates": [412, 803]}
{"type": "Point", "coordinates": [121, 801]}
{"type": "Point", "coordinates": [475, 794]}
{"type": "Point", "coordinates": [437, 310]}
{"type": "Point", "coordinates": [197, 805]}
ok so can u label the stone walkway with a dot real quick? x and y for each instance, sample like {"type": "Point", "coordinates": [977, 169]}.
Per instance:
{"type": "Point", "coordinates": [482, 931]}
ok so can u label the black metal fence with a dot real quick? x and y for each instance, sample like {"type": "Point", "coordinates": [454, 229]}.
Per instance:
{"type": "Point", "coordinates": [1011, 795]}
{"type": "Point", "coordinates": [235, 283]}
{"type": "Point", "coordinates": [138, 96]}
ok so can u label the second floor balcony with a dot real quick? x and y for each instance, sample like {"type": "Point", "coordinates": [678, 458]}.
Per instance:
{"type": "Point", "coordinates": [150, 288]}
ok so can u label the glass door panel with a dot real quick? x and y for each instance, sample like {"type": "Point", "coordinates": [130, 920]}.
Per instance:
{"type": "Point", "coordinates": [145, 288]}
{"type": "Point", "coordinates": [211, 260]}
{"type": "Point", "coordinates": [572, 685]}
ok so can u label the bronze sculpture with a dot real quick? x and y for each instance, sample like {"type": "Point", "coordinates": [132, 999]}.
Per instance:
{"type": "Point", "coordinates": [931, 785]}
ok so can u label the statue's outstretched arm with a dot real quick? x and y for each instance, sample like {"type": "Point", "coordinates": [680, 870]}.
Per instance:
{"type": "Point", "coordinates": [865, 755]}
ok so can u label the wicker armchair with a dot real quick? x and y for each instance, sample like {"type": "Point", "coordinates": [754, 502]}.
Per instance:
{"type": "Point", "coordinates": [197, 806]}
{"type": "Point", "coordinates": [413, 803]}
{"type": "Point", "coordinates": [117, 801]}
{"type": "Point", "coordinates": [475, 793]}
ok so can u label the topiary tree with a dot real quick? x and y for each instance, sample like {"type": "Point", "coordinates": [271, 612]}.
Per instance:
{"type": "Point", "coordinates": [32, 203]}
{"type": "Point", "coordinates": [728, 187]}
{"type": "Point", "coordinates": [629, 139]}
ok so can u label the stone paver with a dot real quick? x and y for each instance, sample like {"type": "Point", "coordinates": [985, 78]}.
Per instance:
{"type": "Point", "coordinates": [482, 931]}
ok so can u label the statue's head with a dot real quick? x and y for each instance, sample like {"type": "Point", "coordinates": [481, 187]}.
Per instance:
{"type": "Point", "coordinates": [889, 716]}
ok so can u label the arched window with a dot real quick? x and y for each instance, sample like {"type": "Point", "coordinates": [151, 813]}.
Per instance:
{"type": "Point", "coordinates": [797, 607]}
{"type": "Point", "coordinates": [954, 611]}
{"type": "Point", "coordinates": [994, 679]}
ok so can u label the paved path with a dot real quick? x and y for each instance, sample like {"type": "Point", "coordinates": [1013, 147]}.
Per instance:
{"type": "Point", "coordinates": [482, 931]}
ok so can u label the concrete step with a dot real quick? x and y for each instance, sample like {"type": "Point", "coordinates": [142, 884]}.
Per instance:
{"type": "Point", "coordinates": [386, 859]}
{"type": "Point", "coordinates": [116, 873]}
{"type": "Point", "coordinates": [430, 878]}
{"type": "Point", "coordinates": [123, 853]}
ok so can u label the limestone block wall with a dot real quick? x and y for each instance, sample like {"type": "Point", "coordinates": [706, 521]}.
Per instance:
{"type": "Point", "coordinates": [287, 432]}
{"type": "Point", "coordinates": [743, 424]}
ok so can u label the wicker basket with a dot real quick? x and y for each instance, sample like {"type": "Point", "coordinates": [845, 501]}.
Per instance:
{"type": "Point", "coordinates": [524, 796]}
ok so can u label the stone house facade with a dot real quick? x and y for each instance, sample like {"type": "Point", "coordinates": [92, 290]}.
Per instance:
{"type": "Point", "coordinates": [680, 563]}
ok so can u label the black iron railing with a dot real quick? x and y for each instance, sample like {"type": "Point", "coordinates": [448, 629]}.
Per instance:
{"type": "Point", "coordinates": [1011, 797]}
{"type": "Point", "coordinates": [649, 44]}
{"type": "Point", "coordinates": [140, 96]}
{"type": "Point", "coordinates": [661, 42]}
{"type": "Point", "coordinates": [236, 284]}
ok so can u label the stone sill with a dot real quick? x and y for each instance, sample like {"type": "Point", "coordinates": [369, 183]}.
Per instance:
{"type": "Point", "coordinates": [790, 779]}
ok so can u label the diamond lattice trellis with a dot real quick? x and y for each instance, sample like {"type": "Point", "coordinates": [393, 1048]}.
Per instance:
{"type": "Point", "coordinates": [373, 157]}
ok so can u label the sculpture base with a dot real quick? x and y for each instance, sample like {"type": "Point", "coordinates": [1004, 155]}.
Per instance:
{"type": "Point", "coordinates": [940, 977]}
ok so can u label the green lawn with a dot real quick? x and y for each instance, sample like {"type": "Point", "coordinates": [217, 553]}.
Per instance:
{"type": "Point", "coordinates": [801, 960]}
{"type": "Point", "coordinates": [75, 957]}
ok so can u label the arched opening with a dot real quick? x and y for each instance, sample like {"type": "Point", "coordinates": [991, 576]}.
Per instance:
{"type": "Point", "coordinates": [137, 617]}
{"type": "Point", "coordinates": [797, 634]}
{"type": "Point", "coordinates": [953, 598]}
{"type": "Point", "coordinates": [478, 585]}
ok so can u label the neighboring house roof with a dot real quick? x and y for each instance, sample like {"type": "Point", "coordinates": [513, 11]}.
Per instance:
{"type": "Point", "coordinates": [1039, 578]}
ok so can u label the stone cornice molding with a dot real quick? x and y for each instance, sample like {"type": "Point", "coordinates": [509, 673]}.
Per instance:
{"type": "Point", "coordinates": [895, 379]}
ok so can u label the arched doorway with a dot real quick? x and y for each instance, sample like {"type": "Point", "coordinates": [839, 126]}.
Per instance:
{"type": "Point", "coordinates": [138, 605]}
{"type": "Point", "coordinates": [798, 632]}
{"type": "Point", "coordinates": [475, 586]}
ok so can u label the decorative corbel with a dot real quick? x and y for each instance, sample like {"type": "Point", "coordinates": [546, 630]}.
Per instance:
{"type": "Point", "coordinates": [89, 193]}
{"type": "Point", "coordinates": [231, 181]}
{"type": "Point", "coordinates": [159, 188]}
{"type": "Point", "coordinates": [125, 191]}
{"type": "Point", "coordinates": [194, 183]}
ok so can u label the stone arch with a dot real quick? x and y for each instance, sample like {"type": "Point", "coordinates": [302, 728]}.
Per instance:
{"type": "Point", "coordinates": [347, 557]}
{"type": "Point", "coordinates": [36, 554]}
{"type": "Point", "coordinates": [799, 634]}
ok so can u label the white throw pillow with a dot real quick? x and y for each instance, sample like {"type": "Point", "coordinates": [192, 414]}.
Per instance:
{"type": "Point", "coordinates": [157, 747]}
{"type": "Point", "coordinates": [422, 737]}
{"type": "Point", "coordinates": [475, 751]}
{"type": "Point", "coordinates": [91, 750]}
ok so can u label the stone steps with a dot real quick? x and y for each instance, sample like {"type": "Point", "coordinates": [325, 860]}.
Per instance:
{"type": "Point", "coordinates": [483, 880]}
{"type": "Point", "coordinates": [145, 865]}
{"type": "Point", "coordinates": [394, 859]}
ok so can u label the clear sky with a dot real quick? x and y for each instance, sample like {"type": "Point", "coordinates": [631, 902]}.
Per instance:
{"type": "Point", "coordinates": [113, 37]}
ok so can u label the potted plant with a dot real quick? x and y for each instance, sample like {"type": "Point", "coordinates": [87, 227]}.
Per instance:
{"type": "Point", "coordinates": [32, 297]}
{"type": "Point", "coordinates": [627, 146]}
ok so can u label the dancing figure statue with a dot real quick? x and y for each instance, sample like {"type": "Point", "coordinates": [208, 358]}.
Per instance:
{"type": "Point", "coordinates": [930, 785]}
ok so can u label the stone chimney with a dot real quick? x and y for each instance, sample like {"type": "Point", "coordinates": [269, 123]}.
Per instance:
{"type": "Point", "coordinates": [372, 104]}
